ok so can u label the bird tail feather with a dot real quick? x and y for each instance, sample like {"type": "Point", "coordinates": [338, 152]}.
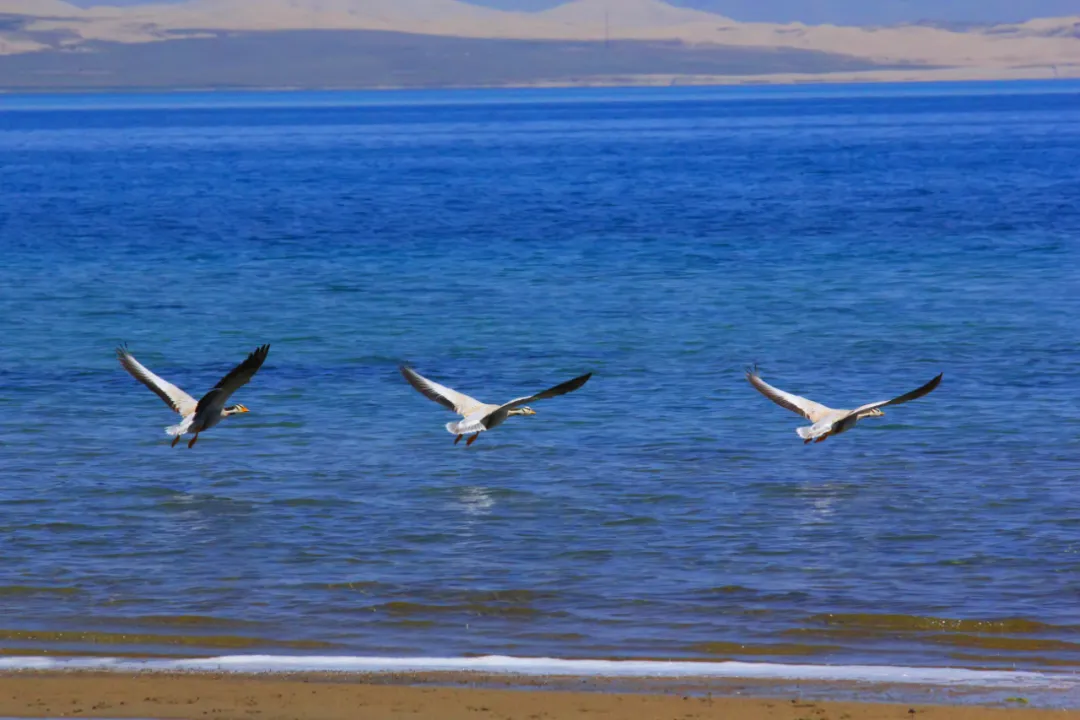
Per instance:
{"type": "Point", "coordinates": [464, 427]}
{"type": "Point", "coordinates": [175, 430]}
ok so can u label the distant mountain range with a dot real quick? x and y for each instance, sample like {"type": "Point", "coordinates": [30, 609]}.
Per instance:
{"type": "Point", "coordinates": [815, 12]}
{"type": "Point", "coordinates": [384, 43]}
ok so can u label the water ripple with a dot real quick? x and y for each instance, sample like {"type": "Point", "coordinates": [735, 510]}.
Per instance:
{"type": "Point", "coordinates": [853, 247]}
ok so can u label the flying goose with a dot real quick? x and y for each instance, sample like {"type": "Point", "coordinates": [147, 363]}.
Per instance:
{"type": "Point", "coordinates": [828, 421]}
{"type": "Point", "coordinates": [479, 416]}
{"type": "Point", "coordinates": [203, 414]}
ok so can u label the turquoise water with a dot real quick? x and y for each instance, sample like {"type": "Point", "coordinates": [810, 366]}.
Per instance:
{"type": "Point", "coordinates": [852, 243]}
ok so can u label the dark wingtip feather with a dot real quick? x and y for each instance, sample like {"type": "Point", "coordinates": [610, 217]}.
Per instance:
{"type": "Point", "coordinates": [251, 365]}
{"type": "Point", "coordinates": [258, 355]}
{"type": "Point", "coordinates": [567, 387]}
{"type": "Point", "coordinates": [410, 376]}
{"type": "Point", "coordinates": [932, 385]}
{"type": "Point", "coordinates": [579, 381]}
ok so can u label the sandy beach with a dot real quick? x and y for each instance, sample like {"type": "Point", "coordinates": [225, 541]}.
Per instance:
{"type": "Point", "coordinates": [160, 695]}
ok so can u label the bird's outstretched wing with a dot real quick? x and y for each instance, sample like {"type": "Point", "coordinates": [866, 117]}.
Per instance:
{"type": "Point", "coordinates": [908, 397]}
{"type": "Point", "coordinates": [567, 387]}
{"type": "Point", "coordinates": [237, 377]}
{"type": "Point", "coordinates": [450, 399]}
{"type": "Point", "coordinates": [809, 409]}
{"type": "Point", "coordinates": [173, 396]}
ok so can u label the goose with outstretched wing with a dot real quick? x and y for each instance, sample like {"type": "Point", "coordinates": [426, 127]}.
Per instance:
{"type": "Point", "coordinates": [478, 416]}
{"type": "Point", "coordinates": [828, 421]}
{"type": "Point", "coordinates": [196, 415]}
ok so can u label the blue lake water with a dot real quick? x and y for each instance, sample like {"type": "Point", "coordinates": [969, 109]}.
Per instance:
{"type": "Point", "coordinates": [852, 243]}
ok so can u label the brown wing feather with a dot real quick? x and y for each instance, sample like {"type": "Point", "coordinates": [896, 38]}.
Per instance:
{"type": "Point", "coordinates": [561, 389]}
{"type": "Point", "coordinates": [173, 396]}
{"type": "Point", "coordinates": [421, 384]}
{"type": "Point", "coordinates": [907, 397]}
{"type": "Point", "coordinates": [809, 409]}
{"type": "Point", "coordinates": [918, 393]}
{"type": "Point", "coordinates": [451, 399]}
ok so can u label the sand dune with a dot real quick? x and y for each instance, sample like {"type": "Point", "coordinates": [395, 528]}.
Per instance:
{"type": "Point", "coordinates": [623, 15]}
{"type": "Point", "coordinates": [52, 24]}
{"type": "Point", "coordinates": [39, 8]}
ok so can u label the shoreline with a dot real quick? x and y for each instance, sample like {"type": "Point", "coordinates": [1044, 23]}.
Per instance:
{"type": "Point", "coordinates": [98, 682]}
{"type": "Point", "coordinates": [519, 669]}
{"type": "Point", "coordinates": [454, 697]}
{"type": "Point", "coordinates": [912, 76]}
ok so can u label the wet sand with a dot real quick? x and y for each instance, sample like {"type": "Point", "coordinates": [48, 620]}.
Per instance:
{"type": "Point", "coordinates": [160, 695]}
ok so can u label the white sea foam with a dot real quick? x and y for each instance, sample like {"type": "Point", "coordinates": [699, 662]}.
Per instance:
{"type": "Point", "coordinates": [556, 667]}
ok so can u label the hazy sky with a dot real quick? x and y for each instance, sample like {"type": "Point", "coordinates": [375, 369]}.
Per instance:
{"type": "Point", "coordinates": [860, 12]}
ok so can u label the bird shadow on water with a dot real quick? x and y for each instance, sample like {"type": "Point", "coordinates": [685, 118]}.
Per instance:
{"type": "Point", "coordinates": [476, 501]}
